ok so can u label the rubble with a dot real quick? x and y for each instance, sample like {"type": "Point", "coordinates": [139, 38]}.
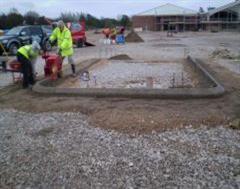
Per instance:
{"type": "Point", "coordinates": [222, 53]}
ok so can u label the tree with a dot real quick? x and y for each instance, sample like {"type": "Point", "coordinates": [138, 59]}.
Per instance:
{"type": "Point", "coordinates": [125, 21]}
{"type": "Point", "coordinates": [108, 22]}
{"type": "Point", "coordinates": [3, 21]}
{"type": "Point", "coordinates": [13, 10]}
{"type": "Point", "coordinates": [69, 17]}
{"type": "Point", "coordinates": [82, 17]}
{"type": "Point", "coordinates": [42, 21]}
{"type": "Point", "coordinates": [13, 19]}
{"type": "Point", "coordinates": [201, 10]}
{"type": "Point", "coordinates": [31, 17]}
{"type": "Point", "coordinates": [91, 21]}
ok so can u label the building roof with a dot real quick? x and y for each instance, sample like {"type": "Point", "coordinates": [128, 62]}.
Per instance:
{"type": "Point", "coordinates": [167, 10]}
{"type": "Point", "coordinates": [228, 6]}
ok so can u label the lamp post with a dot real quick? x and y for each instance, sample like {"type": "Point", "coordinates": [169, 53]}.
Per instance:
{"type": "Point", "coordinates": [184, 20]}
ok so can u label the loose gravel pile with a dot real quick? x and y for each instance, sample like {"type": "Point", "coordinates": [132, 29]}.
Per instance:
{"type": "Point", "coordinates": [60, 150]}
{"type": "Point", "coordinates": [222, 53]}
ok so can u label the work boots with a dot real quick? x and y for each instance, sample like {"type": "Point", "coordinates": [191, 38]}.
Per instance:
{"type": "Point", "coordinates": [73, 70]}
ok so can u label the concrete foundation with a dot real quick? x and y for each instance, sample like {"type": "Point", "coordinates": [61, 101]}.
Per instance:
{"type": "Point", "coordinates": [215, 89]}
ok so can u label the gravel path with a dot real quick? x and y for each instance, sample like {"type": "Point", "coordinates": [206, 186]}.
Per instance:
{"type": "Point", "coordinates": [60, 150]}
{"type": "Point", "coordinates": [5, 79]}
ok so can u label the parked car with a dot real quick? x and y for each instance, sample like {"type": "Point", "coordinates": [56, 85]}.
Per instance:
{"type": "Point", "coordinates": [47, 29]}
{"type": "Point", "coordinates": [23, 35]}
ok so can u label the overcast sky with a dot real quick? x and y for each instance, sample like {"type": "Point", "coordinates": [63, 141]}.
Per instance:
{"type": "Point", "coordinates": [100, 8]}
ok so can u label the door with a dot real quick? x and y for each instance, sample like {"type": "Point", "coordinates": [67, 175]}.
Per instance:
{"type": "Point", "coordinates": [25, 36]}
{"type": "Point", "coordinates": [36, 34]}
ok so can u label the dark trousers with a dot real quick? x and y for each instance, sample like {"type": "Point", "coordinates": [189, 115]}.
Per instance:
{"type": "Point", "coordinates": [28, 78]}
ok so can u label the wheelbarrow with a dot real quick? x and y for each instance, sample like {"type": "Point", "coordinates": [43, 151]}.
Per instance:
{"type": "Point", "coordinates": [15, 68]}
{"type": "Point", "coordinates": [52, 68]}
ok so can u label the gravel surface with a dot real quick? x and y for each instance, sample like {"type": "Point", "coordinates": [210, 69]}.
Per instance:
{"type": "Point", "coordinates": [233, 66]}
{"type": "Point", "coordinates": [119, 74]}
{"type": "Point", "coordinates": [60, 150]}
{"type": "Point", "coordinates": [5, 79]}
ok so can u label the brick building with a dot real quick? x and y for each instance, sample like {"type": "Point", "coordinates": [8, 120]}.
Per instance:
{"type": "Point", "coordinates": [167, 17]}
{"type": "Point", "coordinates": [172, 17]}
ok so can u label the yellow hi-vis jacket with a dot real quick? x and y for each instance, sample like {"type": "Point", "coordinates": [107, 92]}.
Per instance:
{"type": "Point", "coordinates": [64, 41]}
{"type": "Point", "coordinates": [28, 52]}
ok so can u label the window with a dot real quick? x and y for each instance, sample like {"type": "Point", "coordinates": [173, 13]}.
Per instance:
{"type": "Point", "coordinates": [76, 27]}
{"type": "Point", "coordinates": [26, 30]}
{"type": "Point", "coordinates": [36, 31]}
{"type": "Point", "coordinates": [14, 31]}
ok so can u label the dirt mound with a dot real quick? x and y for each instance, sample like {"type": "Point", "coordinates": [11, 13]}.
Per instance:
{"type": "Point", "coordinates": [133, 37]}
{"type": "Point", "coordinates": [222, 53]}
{"type": "Point", "coordinates": [120, 57]}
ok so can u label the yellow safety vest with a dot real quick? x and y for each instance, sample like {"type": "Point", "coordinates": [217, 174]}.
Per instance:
{"type": "Point", "coordinates": [114, 31]}
{"type": "Point", "coordinates": [64, 41]}
{"type": "Point", "coordinates": [28, 52]}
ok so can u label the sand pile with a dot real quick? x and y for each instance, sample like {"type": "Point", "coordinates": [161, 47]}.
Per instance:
{"type": "Point", "coordinates": [120, 57]}
{"type": "Point", "coordinates": [133, 37]}
{"type": "Point", "coordinates": [222, 53]}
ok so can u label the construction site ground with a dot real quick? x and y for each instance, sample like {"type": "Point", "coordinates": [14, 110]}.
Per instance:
{"type": "Point", "coordinates": [52, 141]}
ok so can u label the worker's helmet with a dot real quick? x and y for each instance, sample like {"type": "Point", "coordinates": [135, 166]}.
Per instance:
{"type": "Point", "coordinates": [60, 23]}
{"type": "Point", "coordinates": [36, 46]}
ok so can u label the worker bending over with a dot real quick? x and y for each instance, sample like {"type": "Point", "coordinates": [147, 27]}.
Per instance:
{"type": "Point", "coordinates": [64, 42]}
{"type": "Point", "coordinates": [27, 55]}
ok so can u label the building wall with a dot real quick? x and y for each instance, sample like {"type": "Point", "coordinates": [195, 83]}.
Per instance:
{"type": "Point", "coordinates": [217, 27]}
{"type": "Point", "coordinates": [145, 22]}
{"type": "Point", "coordinates": [184, 23]}
{"type": "Point", "coordinates": [224, 20]}
{"type": "Point", "coordinates": [162, 23]}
